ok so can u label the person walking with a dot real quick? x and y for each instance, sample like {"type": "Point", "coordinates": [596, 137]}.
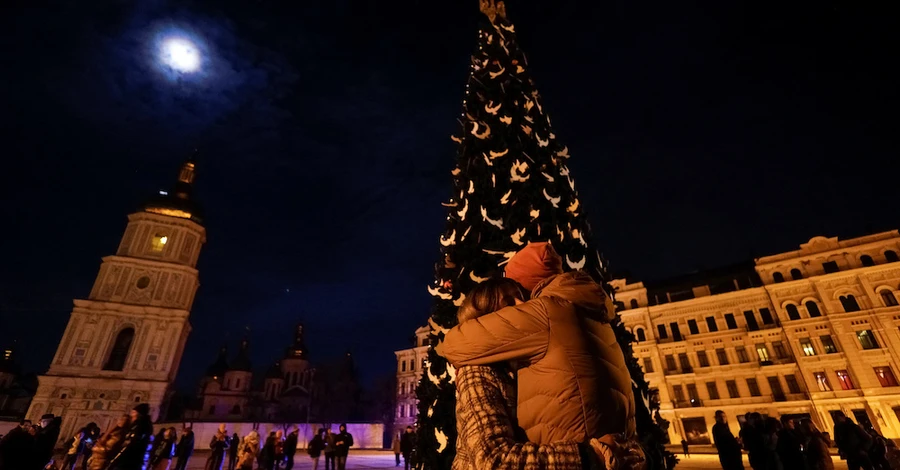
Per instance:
{"type": "Point", "coordinates": [138, 440]}
{"type": "Point", "coordinates": [185, 448]}
{"type": "Point", "coordinates": [164, 450]}
{"type": "Point", "coordinates": [316, 445]}
{"type": "Point", "coordinates": [395, 446]}
{"type": "Point", "coordinates": [267, 455]}
{"type": "Point", "coordinates": [290, 448]}
{"type": "Point", "coordinates": [726, 444]}
{"type": "Point", "coordinates": [342, 443]}
{"type": "Point", "coordinates": [233, 451]}
{"type": "Point", "coordinates": [407, 445]}
{"type": "Point", "coordinates": [816, 446]}
{"type": "Point", "coordinates": [109, 444]}
{"type": "Point", "coordinates": [219, 445]}
{"type": "Point", "coordinates": [329, 449]}
{"type": "Point", "coordinates": [249, 451]}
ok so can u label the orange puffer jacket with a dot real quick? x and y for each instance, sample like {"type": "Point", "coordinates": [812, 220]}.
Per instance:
{"type": "Point", "coordinates": [573, 381]}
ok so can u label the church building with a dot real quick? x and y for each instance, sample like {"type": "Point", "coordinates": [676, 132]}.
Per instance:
{"type": "Point", "coordinates": [124, 342]}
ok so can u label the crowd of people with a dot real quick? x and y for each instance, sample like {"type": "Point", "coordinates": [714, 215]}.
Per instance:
{"type": "Point", "coordinates": [131, 445]}
{"type": "Point", "coordinates": [786, 444]}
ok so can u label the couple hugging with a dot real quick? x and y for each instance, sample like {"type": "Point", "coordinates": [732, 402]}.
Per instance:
{"type": "Point", "coordinates": [573, 395]}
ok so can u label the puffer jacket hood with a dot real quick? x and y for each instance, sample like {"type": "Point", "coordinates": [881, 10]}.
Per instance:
{"type": "Point", "coordinates": [573, 382]}
{"type": "Point", "coordinates": [578, 288]}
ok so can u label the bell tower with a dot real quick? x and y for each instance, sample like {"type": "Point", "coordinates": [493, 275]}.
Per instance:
{"type": "Point", "coordinates": [123, 344]}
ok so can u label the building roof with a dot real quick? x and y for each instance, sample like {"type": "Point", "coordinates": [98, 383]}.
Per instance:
{"type": "Point", "coordinates": [297, 350]}
{"type": "Point", "coordinates": [178, 202]}
{"type": "Point", "coordinates": [219, 367]}
{"type": "Point", "coordinates": [242, 362]}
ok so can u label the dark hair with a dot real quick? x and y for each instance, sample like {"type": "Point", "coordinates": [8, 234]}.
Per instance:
{"type": "Point", "coordinates": [490, 296]}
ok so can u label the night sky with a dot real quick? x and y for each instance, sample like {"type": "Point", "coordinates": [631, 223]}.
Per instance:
{"type": "Point", "coordinates": [702, 133]}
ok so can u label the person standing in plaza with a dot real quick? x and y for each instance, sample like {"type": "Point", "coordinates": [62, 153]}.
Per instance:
{"type": "Point", "coordinates": [233, 451]}
{"type": "Point", "coordinates": [290, 448]}
{"type": "Point", "coordinates": [407, 444]}
{"type": "Point", "coordinates": [727, 445]}
{"type": "Point", "coordinates": [330, 440]}
{"type": "Point", "coordinates": [185, 448]}
{"type": "Point", "coordinates": [342, 443]}
{"type": "Point", "coordinates": [219, 445]}
{"type": "Point", "coordinates": [316, 445]}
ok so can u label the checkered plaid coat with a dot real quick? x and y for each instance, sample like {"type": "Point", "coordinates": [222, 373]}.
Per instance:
{"type": "Point", "coordinates": [485, 421]}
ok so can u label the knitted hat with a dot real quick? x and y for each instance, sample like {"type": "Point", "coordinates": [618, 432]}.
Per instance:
{"type": "Point", "coordinates": [534, 263]}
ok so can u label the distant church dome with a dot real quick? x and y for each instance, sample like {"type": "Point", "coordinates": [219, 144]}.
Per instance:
{"type": "Point", "coordinates": [218, 368]}
{"type": "Point", "coordinates": [241, 362]}
{"type": "Point", "coordinates": [178, 202]}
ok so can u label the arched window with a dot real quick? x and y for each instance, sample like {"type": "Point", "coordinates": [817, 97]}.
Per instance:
{"type": "Point", "coordinates": [849, 303]}
{"type": "Point", "coordinates": [891, 256]}
{"type": "Point", "coordinates": [634, 303]}
{"type": "Point", "coordinates": [792, 312]}
{"type": "Point", "coordinates": [867, 260]}
{"type": "Point", "coordinates": [888, 298]}
{"type": "Point", "coordinates": [120, 349]}
{"type": "Point", "coordinates": [641, 336]}
{"type": "Point", "coordinates": [778, 276]}
{"type": "Point", "coordinates": [796, 274]}
{"type": "Point", "coordinates": [812, 309]}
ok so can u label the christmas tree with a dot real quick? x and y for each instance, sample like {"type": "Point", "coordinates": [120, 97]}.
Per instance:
{"type": "Point", "coordinates": [511, 185]}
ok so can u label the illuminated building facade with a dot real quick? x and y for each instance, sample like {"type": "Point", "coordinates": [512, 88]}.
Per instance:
{"type": "Point", "coordinates": [123, 344]}
{"type": "Point", "coordinates": [410, 365]}
{"type": "Point", "coordinates": [805, 333]}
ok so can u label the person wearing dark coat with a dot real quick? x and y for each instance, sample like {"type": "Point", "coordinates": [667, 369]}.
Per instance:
{"type": "Point", "coordinates": [185, 448]}
{"type": "Point", "coordinates": [164, 451]}
{"type": "Point", "coordinates": [218, 444]}
{"type": "Point", "coordinates": [267, 456]}
{"type": "Point", "coordinates": [790, 447]}
{"type": "Point", "coordinates": [852, 442]}
{"type": "Point", "coordinates": [233, 448]}
{"type": "Point", "coordinates": [816, 446]}
{"type": "Point", "coordinates": [135, 453]}
{"type": "Point", "coordinates": [16, 447]}
{"type": "Point", "coordinates": [728, 447]}
{"type": "Point", "coordinates": [45, 440]}
{"type": "Point", "coordinates": [316, 446]}
{"type": "Point", "coordinates": [342, 443]}
{"type": "Point", "coordinates": [290, 448]}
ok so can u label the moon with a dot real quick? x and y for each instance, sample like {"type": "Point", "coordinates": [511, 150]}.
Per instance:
{"type": "Point", "coordinates": [181, 55]}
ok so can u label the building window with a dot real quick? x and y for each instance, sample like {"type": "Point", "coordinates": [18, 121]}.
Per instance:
{"type": "Point", "coordinates": [822, 381]}
{"type": "Point", "coordinates": [807, 347]}
{"type": "Point", "coordinates": [403, 366]}
{"type": "Point", "coordinates": [885, 376]}
{"type": "Point", "coordinates": [888, 297]}
{"type": "Point", "coordinates": [766, 316]}
{"type": "Point", "coordinates": [676, 332]}
{"type": "Point", "coordinates": [402, 411]}
{"type": "Point", "coordinates": [778, 277]}
{"type": "Point", "coordinates": [678, 393]}
{"type": "Point", "coordinates": [751, 320]}
{"type": "Point", "coordinates": [711, 324]}
{"type": "Point", "coordinates": [412, 364]}
{"type": "Point", "coordinates": [403, 388]}
{"type": "Point", "coordinates": [730, 322]}
{"type": "Point", "coordinates": [158, 242]}
{"type": "Point", "coordinates": [793, 385]}
{"type": "Point", "coordinates": [849, 303]}
{"type": "Point", "coordinates": [796, 274]}
{"type": "Point", "coordinates": [701, 357]}
{"type": "Point", "coordinates": [641, 336]}
{"type": "Point", "coordinates": [830, 267]}
{"type": "Point", "coordinates": [742, 354]}
{"type": "Point", "coordinates": [648, 365]}
{"type": "Point", "coordinates": [670, 363]}
{"type": "Point", "coordinates": [693, 395]}
{"type": "Point", "coordinates": [828, 344]}
{"type": "Point", "coordinates": [866, 260]}
{"type": "Point", "coordinates": [780, 351]}
{"type": "Point", "coordinates": [812, 309]}
{"type": "Point", "coordinates": [763, 352]}
{"type": "Point", "coordinates": [634, 303]}
{"type": "Point", "coordinates": [412, 411]}
{"type": "Point", "coordinates": [713, 390]}
{"type": "Point", "coordinates": [754, 388]}
{"type": "Point", "coordinates": [684, 363]}
{"type": "Point", "coordinates": [775, 386]}
{"type": "Point", "coordinates": [731, 385]}
{"type": "Point", "coordinates": [692, 327]}
{"type": "Point", "coordinates": [119, 353]}
{"type": "Point", "coordinates": [844, 379]}
{"type": "Point", "coordinates": [792, 312]}
{"type": "Point", "coordinates": [891, 256]}
{"type": "Point", "coordinates": [867, 339]}
{"type": "Point", "coordinates": [722, 357]}
{"type": "Point", "coordinates": [661, 330]}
